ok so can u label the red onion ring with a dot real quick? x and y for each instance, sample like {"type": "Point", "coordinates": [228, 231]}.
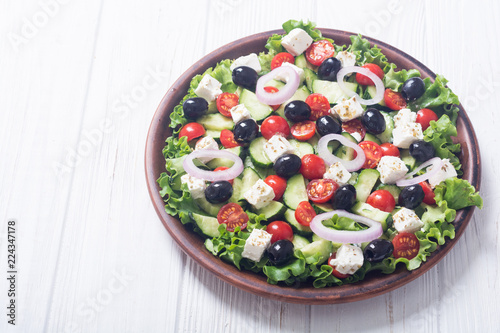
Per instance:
{"type": "Point", "coordinates": [437, 164]}
{"type": "Point", "coordinates": [329, 158]}
{"type": "Point", "coordinates": [346, 236]}
{"type": "Point", "coordinates": [356, 69]}
{"type": "Point", "coordinates": [212, 176]}
{"type": "Point", "coordinates": [284, 93]}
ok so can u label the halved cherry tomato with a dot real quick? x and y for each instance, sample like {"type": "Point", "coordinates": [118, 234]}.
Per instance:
{"type": "Point", "coordinates": [304, 213]}
{"type": "Point", "coordinates": [428, 193]}
{"type": "Point", "coordinates": [319, 51]}
{"type": "Point", "coordinates": [424, 117]}
{"type": "Point", "coordinates": [227, 139]}
{"type": "Point", "coordinates": [312, 167]}
{"type": "Point", "coordinates": [274, 125]}
{"type": "Point", "coordinates": [192, 131]}
{"type": "Point", "coordinates": [222, 168]}
{"type": "Point", "coordinates": [388, 149]}
{"type": "Point", "coordinates": [278, 184]}
{"type": "Point", "coordinates": [321, 190]}
{"type": "Point", "coordinates": [225, 102]}
{"type": "Point", "coordinates": [354, 126]}
{"type": "Point", "coordinates": [271, 89]}
{"type": "Point", "coordinates": [319, 106]}
{"type": "Point", "coordinates": [280, 230]}
{"type": "Point", "coordinates": [382, 199]}
{"type": "Point", "coordinates": [304, 130]}
{"type": "Point", "coordinates": [373, 154]}
{"type": "Point", "coordinates": [365, 80]}
{"type": "Point", "coordinates": [394, 100]}
{"type": "Point", "coordinates": [233, 216]}
{"type": "Point", "coordinates": [280, 58]}
{"type": "Point", "coordinates": [335, 272]}
{"type": "Point", "coordinates": [406, 245]}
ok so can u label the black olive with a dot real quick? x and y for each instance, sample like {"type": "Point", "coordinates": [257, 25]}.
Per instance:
{"type": "Point", "coordinates": [329, 68]}
{"type": "Point", "coordinates": [287, 165]}
{"type": "Point", "coordinates": [246, 77]}
{"type": "Point", "coordinates": [422, 150]}
{"type": "Point", "coordinates": [297, 111]}
{"type": "Point", "coordinates": [345, 197]}
{"type": "Point", "coordinates": [280, 252]}
{"type": "Point", "coordinates": [377, 250]}
{"type": "Point", "coordinates": [413, 88]}
{"type": "Point", "coordinates": [219, 191]}
{"type": "Point", "coordinates": [245, 131]}
{"type": "Point", "coordinates": [411, 196]}
{"type": "Point", "coordinates": [374, 121]}
{"type": "Point", "coordinates": [194, 107]}
{"type": "Point", "coordinates": [328, 125]}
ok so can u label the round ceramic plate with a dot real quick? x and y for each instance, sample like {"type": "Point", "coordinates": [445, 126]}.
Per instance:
{"type": "Point", "coordinates": [374, 283]}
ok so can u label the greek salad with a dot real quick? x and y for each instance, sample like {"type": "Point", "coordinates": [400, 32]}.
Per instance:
{"type": "Point", "coordinates": [315, 162]}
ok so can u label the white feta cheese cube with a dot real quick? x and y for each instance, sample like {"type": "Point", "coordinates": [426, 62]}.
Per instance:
{"type": "Point", "coordinates": [296, 41]}
{"type": "Point", "coordinates": [208, 143]}
{"type": "Point", "coordinates": [284, 76]}
{"type": "Point", "coordinates": [404, 116]}
{"type": "Point", "coordinates": [239, 113]}
{"type": "Point", "coordinates": [405, 220]}
{"type": "Point", "coordinates": [195, 185]}
{"type": "Point", "coordinates": [250, 60]}
{"type": "Point", "coordinates": [208, 88]}
{"type": "Point", "coordinates": [256, 244]}
{"type": "Point", "coordinates": [346, 58]}
{"type": "Point", "coordinates": [348, 109]}
{"type": "Point", "coordinates": [348, 259]}
{"type": "Point", "coordinates": [277, 146]}
{"type": "Point", "coordinates": [447, 171]}
{"type": "Point", "coordinates": [259, 195]}
{"type": "Point", "coordinates": [404, 135]}
{"type": "Point", "coordinates": [391, 169]}
{"type": "Point", "coordinates": [338, 173]}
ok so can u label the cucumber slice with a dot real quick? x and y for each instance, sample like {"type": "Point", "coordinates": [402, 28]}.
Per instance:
{"type": "Point", "coordinates": [210, 208]}
{"type": "Point", "coordinates": [295, 191]}
{"type": "Point", "coordinates": [298, 228]}
{"type": "Point", "coordinates": [322, 207]}
{"type": "Point", "coordinates": [310, 78]}
{"type": "Point", "coordinates": [316, 238]}
{"type": "Point", "coordinates": [262, 172]}
{"type": "Point", "coordinates": [301, 148]}
{"type": "Point", "coordinates": [393, 189]}
{"type": "Point", "coordinates": [364, 209]}
{"type": "Point", "coordinates": [300, 61]}
{"type": "Point", "coordinates": [386, 136]}
{"type": "Point", "coordinates": [273, 211]}
{"type": "Point", "coordinates": [275, 83]}
{"type": "Point", "coordinates": [258, 110]}
{"type": "Point", "coordinates": [299, 242]}
{"type": "Point", "coordinates": [366, 181]}
{"type": "Point", "coordinates": [212, 107]}
{"type": "Point", "coordinates": [409, 160]}
{"type": "Point", "coordinates": [257, 153]}
{"type": "Point", "coordinates": [372, 138]}
{"type": "Point", "coordinates": [323, 247]}
{"type": "Point", "coordinates": [331, 90]}
{"type": "Point", "coordinates": [208, 225]}
{"type": "Point", "coordinates": [216, 122]}
{"type": "Point", "coordinates": [300, 95]}
{"type": "Point", "coordinates": [219, 162]}
{"type": "Point", "coordinates": [343, 152]}
{"type": "Point", "coordinates": [372, 91]}
{"type": "Point", "coordinates": [250, 177]}
{"type": "Point", "coordinates": [213, 133]}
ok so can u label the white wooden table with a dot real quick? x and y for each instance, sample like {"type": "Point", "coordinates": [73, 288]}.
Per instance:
{"type": "Point", "coordinates": [79, 83]}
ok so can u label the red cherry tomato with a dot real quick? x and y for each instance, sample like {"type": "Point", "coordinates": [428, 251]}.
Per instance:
{"type": "Point", "coordinates": [312, 167]}
{"type": "Point", "coordinates": [280, 58]}
{"type": "Point", "coordinates": [424, 117]}
{"type": "Point", "coordinates": [304, 130]}
{"type": "Point", "coordinates": [227, 139]}
{"type": "Point", "coordinates": [278, 184]}
{"type": "Point", "coordinates": [373, 154]}
{"type": "Point", "coordinates": [354, 126]}
{"type": "Point", "coordinates": [305, 213]}
{"type": "Point", "coordinates": [428, 193]}
{"type": "Point", "coordinates": [335, 272]}
{"type": "Point", "coordinates": [319, 106]}
{"type": "Point", "coordinates": [388, 149]}
{"type": "Point", "coordinates": [394, 100]}
{"type": "Point", "coordinates": [225, 102]}
{"type": "Point", "coordinates": [319, 51]}
{"type": "Point", "coordinates": [274, 125]}
{"type": "Point", "coordinates": [233, 216]}
{"type": "Point", "coordinates": [222, 168]}
{"type": "Point", "coordinates": [321, 190]}
{"type": "Point", "coordinates": [382, 199]}
{"type": "Point", "coordinates": [271, 89]}
{"type": "Point", "coordinates": [406, 245]}
{"type": "Point", "coordinates": [192, 131]}
{"type": "Point", "coordinates": [365, 80]}
{"type": "Point", "coordinates": [280, 230]}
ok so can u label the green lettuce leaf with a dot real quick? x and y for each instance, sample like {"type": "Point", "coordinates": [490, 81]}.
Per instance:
{"type": "Point", "coordinates": [178, 203]}
{"type": "Point", "coordinates": [342, 223]}
{"type": "Point", "coordinates": [440, 213]}
{"type": "Point", "coordinates": [458, 194]}
{"type": "Point", "coordinates": [273, 43]}
{"type": "Point", "coordinates": [439, 134]}
{"type": "Point", "coordinates": [367, 54]}
{"type": "Point", "coordinates": [394, 79]}
{"type": "Point", "coordinates": [265, 61]}
{"type": "Point", "coordinates": [176, 147]}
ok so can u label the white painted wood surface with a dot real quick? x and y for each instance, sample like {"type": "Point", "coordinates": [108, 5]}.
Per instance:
{"type": "Point", "coordinates": [87, 76]}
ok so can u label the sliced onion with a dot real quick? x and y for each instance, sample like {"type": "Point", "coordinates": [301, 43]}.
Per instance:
{"type": "Point", "coordinates": [284, 93]}
{"type": "Point", "coordinates": [379, 95]}
{"type": "Point", "coordinates": [346, 236]}
{"type": "Point", "coordinates": [212, 176]}
{"type": "Point", "coordinates": [437, 164]}
{"type": "Point", "coordinates": [329, 158]}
